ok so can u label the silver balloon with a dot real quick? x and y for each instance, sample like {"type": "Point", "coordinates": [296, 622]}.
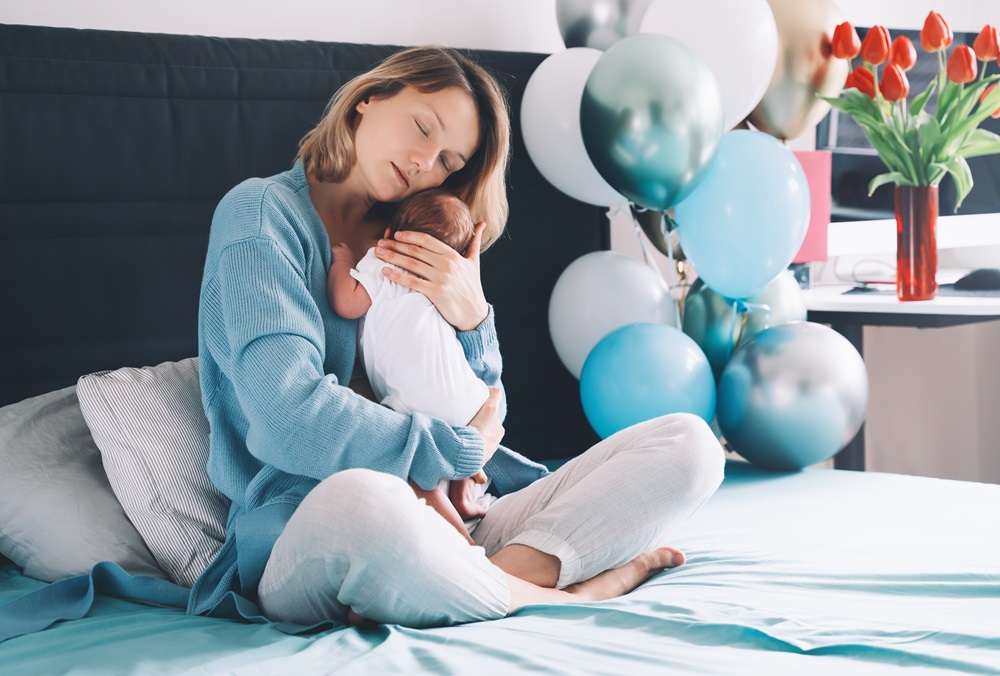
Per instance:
{"type": "Point", "coordinates": [793, 396]}
{"type": "Point", "coordinates": [713, 323]}
{"type": "Point", "coordinates": [651, 118]}
{"type": "Point", "coordinates": [598, 23]}
{"type": "Point", "coordinates": [780, 302]}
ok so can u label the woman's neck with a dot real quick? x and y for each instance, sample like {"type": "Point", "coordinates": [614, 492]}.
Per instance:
{"type": "Point", "coordinates": [343, 208]}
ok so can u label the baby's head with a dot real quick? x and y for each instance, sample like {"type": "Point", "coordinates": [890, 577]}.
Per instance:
{"type": "Point", "coordinates": [438, 213]}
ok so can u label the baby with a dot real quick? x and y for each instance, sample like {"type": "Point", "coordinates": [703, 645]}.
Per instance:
{"type": "Point", "coordinates": [410, 352]}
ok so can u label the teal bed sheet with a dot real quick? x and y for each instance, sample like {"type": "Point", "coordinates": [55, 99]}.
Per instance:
{"type": "Point", "coordinates": [818, 572]}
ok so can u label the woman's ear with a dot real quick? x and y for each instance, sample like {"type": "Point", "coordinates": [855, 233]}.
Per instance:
{"type": "Point", "coordinates": [362, 105]}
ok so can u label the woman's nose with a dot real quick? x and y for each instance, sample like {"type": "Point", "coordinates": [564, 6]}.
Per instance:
{"type": "Point", "coordinates": [423, 158]}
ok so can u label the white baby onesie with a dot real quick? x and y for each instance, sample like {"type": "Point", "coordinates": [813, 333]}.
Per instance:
{"type": "Point", "coordinates": [411, 354]}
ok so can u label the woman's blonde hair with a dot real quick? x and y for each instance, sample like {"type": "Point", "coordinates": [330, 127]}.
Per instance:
{"type": "Point", "coordinates": [327, 151]}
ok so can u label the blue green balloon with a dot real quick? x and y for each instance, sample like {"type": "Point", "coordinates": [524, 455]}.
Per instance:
{"type": "Point", "coordinates": [642, 371]}
{"type": "Point", "coordinates": [651, 118]}
{"type": "Point", "coordinates": [748, 216]}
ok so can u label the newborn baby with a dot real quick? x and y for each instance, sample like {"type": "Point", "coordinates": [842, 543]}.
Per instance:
{"type": "Point", "coordinates": [410, 352]}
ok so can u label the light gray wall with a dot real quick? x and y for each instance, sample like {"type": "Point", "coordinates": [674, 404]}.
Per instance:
{"type": "Point", "coordinates": [933, 391]}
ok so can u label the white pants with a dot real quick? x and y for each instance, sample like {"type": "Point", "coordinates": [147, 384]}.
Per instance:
{"type": "Point", "coordinates": [362, 540]}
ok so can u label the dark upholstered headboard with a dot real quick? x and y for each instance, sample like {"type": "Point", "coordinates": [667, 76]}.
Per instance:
{"type": "Point", "coordinates": [115, 148]}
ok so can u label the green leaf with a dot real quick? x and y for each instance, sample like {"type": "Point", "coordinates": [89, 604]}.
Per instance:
{"type": "Point", "coordinates": [920, 102]}
{"type": "Point", "coordinates": [930, 136]}
{"type": "Point", "coordinates": [948, 95]}
{"type": "Point", "coordinates": [962, 175]}
{"type": "Point", "coordinates": [966, 101]}
{"type": "Point", "coordinates": [980, 142]}
{"type": "Point", "coordinates": [882, 179]}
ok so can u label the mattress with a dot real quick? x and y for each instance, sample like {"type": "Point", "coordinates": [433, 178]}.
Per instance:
{"type": "Point", "coordinates": [820, 572]}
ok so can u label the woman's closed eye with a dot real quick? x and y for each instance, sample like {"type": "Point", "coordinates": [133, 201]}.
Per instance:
{"type": "Point", "coordinates": [427, 134]}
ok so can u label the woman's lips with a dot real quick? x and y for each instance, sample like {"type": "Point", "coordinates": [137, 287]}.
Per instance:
{"type": "Point", "coordinates": [400, 174]}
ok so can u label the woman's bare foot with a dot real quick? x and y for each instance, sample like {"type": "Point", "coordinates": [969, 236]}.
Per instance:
{"type": "Point", "coordinates": [618, 581]}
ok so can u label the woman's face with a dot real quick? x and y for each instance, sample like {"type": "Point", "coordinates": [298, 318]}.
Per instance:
{"type": "Point", "coordinates": [413, 141]}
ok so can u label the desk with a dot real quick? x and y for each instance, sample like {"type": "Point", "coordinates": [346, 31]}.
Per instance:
{"type": "Point", "coordinates": [849, 314]}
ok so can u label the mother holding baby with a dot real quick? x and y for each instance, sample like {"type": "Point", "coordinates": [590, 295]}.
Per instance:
{"type": "Point", "coordinates": [325, 522]}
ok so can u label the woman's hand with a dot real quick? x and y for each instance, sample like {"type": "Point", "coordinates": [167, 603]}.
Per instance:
{"type": "Point", "coordinates": [448, 279]}
{"type": "Point", "coordinates": [462, 493]}
{"type": "Point", "coordinates": [487, 422]}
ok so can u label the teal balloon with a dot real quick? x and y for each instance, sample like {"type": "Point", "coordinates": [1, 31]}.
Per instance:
{"type": "Point", "coordinates": [713, 323]}
{"type": "Point", "coordinates": [747, 219]}
{"type": "Point", "coordinates": [651, 118]}
{"type": "Point", "coordinates": [793, 396]}
{"type": "Point", "coordinates": [642, 371]}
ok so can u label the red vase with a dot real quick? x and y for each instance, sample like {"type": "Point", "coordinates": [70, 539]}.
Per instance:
{"type": "Point", "coordinates": [916, 242]}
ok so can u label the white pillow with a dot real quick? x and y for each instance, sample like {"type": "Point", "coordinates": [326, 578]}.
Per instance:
{"type": "Point", "coordinates": [58, 515]}
{"type": "Point", "coordinates": [153, 436]}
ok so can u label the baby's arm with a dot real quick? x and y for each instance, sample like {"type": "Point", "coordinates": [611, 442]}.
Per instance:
{"type": "Point", "coordinates": [347, 295]}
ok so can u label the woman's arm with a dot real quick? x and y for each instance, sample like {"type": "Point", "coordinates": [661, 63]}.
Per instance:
{"type": "Point", "coordinates": [301, 420]}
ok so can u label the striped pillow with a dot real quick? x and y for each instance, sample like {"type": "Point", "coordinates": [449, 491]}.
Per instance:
{"type": "Point", "coordinates": [151, 430]}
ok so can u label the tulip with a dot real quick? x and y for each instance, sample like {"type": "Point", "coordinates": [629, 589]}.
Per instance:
{"type": "Point", "coordinates": [861, 79]}
{"type": "Point", "coordinates": [846, 43]}
{"type": "Point", "coordinates": [985, 45]}
{"type": "Point", "coordinates": [894, 85]}
{"type": "Point", "coordinates": [936, 34]}
{"type": "Point", "coordinates": [902, 53]}
{"type": "Point", "coordinates": [982, 97]}
{"type": "Point", "coordinates": [962, 65]}
{"type": "Point", "coordinates": [875, 48]}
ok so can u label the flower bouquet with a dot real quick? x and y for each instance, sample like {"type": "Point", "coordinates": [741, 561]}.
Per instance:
{"type": "Point", "coordinates": [919, 143]}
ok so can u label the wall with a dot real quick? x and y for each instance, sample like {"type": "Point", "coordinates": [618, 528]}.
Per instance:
{"type": "Point", "coordinates": [932, 391]}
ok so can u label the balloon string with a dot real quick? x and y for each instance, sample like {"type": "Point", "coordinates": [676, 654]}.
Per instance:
{"type": "Point", "coordinates": [673, 268]}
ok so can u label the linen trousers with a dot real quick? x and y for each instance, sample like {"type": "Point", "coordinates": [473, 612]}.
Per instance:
{"type": "Point", "coordinates": [361, 539]}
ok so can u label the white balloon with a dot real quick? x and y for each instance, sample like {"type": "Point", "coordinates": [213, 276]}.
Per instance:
{"type": "Point", "coordinates": [598, 293]}
{"type": "Point", "coordinates": [738, 39]}
{"type": "Point", "coordinates": [550, 122]}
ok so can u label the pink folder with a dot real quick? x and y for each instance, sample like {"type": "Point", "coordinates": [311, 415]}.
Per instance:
{"type": "Point", "coordinates": [816, 164]}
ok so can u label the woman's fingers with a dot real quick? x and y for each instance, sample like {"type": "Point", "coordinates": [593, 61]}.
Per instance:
{"type": "Point", "coordinates": [410, 281]}
{"type": "Point", "coordinates": [472, 253]}
{"type": "Point", "coordinates": [424, 240]}
{"type": "Point", "coordinates": [412, 265]}
{"type": "Point", "coordinates": [412, 250]}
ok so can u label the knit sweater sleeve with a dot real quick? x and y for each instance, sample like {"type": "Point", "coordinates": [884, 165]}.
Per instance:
{"type": "Point", "coordinates": [301, 420]}
{"type": "Point", "coordinates": [482, 351]}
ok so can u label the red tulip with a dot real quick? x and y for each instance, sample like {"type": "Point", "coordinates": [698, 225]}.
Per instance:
{"type": "Point", "coordinates": [846, 43]}
{"type": "Point", "coordinates": [982, 97]}
{"type": "Point", "coordinates": [894, 85]}
{"type": "Point", "coordinates": [902, 53]}
{"type": "Point", "coordinates": [875, 48]}
{"type": "Point", "coordinates": [985, 45]}
{"type": "Point", "coordinates": [936, 34]}
{"type": "Point", "coordinates": [861, 79]}
{"type": "Point", "coordinates": [962, 65]}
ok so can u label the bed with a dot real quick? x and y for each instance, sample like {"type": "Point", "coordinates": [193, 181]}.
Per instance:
{"type": "Point", "coordinates": [114, 149]}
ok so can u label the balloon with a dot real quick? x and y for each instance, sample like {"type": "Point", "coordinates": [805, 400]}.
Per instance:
{"type": "Point", "coordinates": [780, 303]}
{"type": "Point", "coordinates": [550, 121]}
{"type": "Point", "coordinates": [653, 225]}
{"type": "Point", "coordinates": [741, 49]}
{"type": "Point", "coordinates": [793, 396]}
{"type": "Point", "coordinates": [598, 23]}
{"type": "Point", "coordinates": [596, 294]}
{"type": "Point", "coordinates": [748, 217]}
{"type": "Point", "coordinates": [805, 70]}
{"type": "Point", "coordinates": [718, 326]}
{"type": "Point", "coordinates": [642, 371]}
{"type": "Point", "coordinates": [651, 119]}
{"type": "Point", "coordinates": [713, 323]}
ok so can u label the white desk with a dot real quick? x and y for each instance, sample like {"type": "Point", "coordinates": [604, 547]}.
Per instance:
{"type": "Point", "coordinates": [849, 314]}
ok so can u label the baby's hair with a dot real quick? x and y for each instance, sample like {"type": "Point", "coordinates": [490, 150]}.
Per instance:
{"type": "Point", "coordinates": [439, 213]}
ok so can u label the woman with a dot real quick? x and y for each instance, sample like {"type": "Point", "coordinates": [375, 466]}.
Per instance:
{"type": "Point", "coordinates": [323, 524]}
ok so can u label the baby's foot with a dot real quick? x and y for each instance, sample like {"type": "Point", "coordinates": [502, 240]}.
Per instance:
{"type": "Point", "coordinates": [617, 581]}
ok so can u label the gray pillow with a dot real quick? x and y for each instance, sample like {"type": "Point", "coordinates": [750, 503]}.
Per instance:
{"type": "Point", "coordinates": [58, 515]}
{"type": "Point", "coordinates": [153, 436]}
